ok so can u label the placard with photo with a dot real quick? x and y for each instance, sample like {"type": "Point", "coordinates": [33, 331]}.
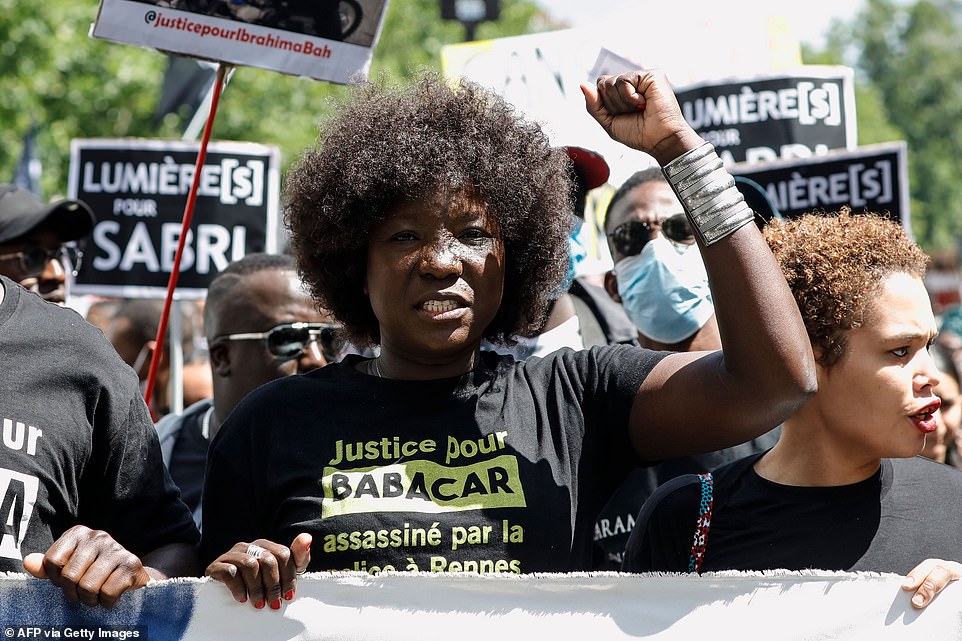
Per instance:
{"type": "Point", "coordinates": [330, 40]}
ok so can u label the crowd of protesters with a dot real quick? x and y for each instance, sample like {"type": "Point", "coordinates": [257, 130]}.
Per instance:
{"type": "Point", "coordinates": [426, 384]}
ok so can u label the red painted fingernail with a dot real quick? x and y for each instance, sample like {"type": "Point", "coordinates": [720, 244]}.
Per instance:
{"type": "Point", "coordinates": [290, 595]}
{"type": "Point", "coordinates": [259, 604]}
{"type": "Point", "coordinates": [244, 600]}
{"type": "Point", "coordinates": [276, 604]}
{"type": "Point", "coordinates": [641, 107]}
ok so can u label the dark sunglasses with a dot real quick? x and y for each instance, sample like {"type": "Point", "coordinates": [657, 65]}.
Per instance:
{"type": "Point", "coordinates": [630, 238]}
{"type": "Point", "coordinates": [33, 260]}
{"type": "Point", "coordinates": [289, 340]}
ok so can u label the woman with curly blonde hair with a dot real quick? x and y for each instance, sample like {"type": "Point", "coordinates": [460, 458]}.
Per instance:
{"type": "Point", "coordinates": [843, 489]}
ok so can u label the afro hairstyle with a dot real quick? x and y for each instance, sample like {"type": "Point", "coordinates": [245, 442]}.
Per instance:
{"type": "Point", "coordinates": [387, 146]}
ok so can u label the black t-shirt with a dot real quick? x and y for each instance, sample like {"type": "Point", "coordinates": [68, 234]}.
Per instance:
{"type": "Point", "coordinates": [499, 470]}
{"type": "Point", "coordinates": [188, 458]}
{"type": "Point", "coordinates": [77, 445]}
{"type": "Point", "coordinates": [617, 517]}
{"type": "Point", "coordinates": [613, 325]}
{"type": "Point", "coordinates": [904, 513]}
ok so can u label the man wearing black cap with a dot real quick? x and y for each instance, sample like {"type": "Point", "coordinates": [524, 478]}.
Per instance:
{"type": "Point", "coordinates": [33, 240]}
{"type": "Point", "coordinates": [84, 497]}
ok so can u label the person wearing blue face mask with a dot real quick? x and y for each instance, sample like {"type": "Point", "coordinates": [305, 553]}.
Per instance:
{"type": "Point", "coordinates": [660, 281]}
{"type": "Point", "coordinates": [658, 275]}
{"type": "Point", "coordinates": [664, 290]}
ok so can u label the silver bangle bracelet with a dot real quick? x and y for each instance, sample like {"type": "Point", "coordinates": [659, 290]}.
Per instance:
{"type": "Point", "coordinates": [707, 191]}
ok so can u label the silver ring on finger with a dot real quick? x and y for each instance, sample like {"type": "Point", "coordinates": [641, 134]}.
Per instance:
{"type": "Point", "coordinates": [255, 551]}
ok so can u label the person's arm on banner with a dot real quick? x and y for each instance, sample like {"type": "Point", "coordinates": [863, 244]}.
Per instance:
{"type": "Point", "coordinates": [94, 569]}
{"type": "Point", "coordinates": [262, 571]}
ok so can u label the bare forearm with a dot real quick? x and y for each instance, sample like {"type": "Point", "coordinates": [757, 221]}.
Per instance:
{"type": "Point", "coordinates": [768, 363]}
{"type": "Point", "coordinates": [710, 400]}
{"type": "Point", "coordinates": [698, 402]}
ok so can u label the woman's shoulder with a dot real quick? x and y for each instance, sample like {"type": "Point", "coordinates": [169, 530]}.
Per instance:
{"type": "Point", "coordinates": [923, 471]}
{"type": "Point", "coordinates": [661, 534]}
{"type": "Point", "coordinates": [921, 483]}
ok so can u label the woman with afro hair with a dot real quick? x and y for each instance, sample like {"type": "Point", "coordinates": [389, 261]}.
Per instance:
{"type": "Point", "coordinates": [430, 217]}
{"type": "Point", "coordinates": [843, 488]}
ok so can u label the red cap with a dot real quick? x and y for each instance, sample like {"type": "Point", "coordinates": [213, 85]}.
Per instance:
{"type": "Point", "coordinates": [590, 165]}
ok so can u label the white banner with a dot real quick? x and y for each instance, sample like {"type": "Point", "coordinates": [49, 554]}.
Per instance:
{"type": "Point", "coordinates": [388, 607]}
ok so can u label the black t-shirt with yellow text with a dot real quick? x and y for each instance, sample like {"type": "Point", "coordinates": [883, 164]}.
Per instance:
{"type": "Point", "coordinates": [500, 470]}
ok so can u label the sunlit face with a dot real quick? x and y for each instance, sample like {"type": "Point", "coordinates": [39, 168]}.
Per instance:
{"type": "Point", "coordinates": [274, 297]}
{"type": "Point", "coordinates": [650, 202]}
{"type": "Point", "coordinates": [435, 276]}
{"type": "Point", "coordinates": [878, 400]}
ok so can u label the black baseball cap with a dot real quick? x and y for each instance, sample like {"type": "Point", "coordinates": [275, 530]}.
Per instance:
{"type": "Point", "coordinates": [21, 212]}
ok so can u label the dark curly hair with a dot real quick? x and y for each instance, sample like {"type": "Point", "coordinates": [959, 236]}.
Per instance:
{"type": "Point", "coordinates": [387, 146]}
{"type": "Point", "coordinates": [834, 263]}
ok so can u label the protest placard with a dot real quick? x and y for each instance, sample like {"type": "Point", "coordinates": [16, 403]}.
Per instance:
{"type": "Point", "coordinates": [138, 190]}
{"type": "Point", "coordinates": [807, 111]}
{"type": "Point", "coordinates": [871, 178]}
{"type": "Point", "coordinates": [540, 75]}
{"type": "Point", "coordinates": [331, 41]}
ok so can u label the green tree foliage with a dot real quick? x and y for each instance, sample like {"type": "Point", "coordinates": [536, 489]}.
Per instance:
{"type": "Point", "coordinates": [874, 125]}
{"type": "Point", "coordinates": [908, 58]}
{"type": "Point", "coordinates": [74, 86]}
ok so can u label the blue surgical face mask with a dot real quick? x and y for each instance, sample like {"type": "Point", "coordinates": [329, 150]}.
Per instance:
{"type": "Point", "coordinates": [664, 290]}
{"type": "Point", "coordinates": [576, 254]}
